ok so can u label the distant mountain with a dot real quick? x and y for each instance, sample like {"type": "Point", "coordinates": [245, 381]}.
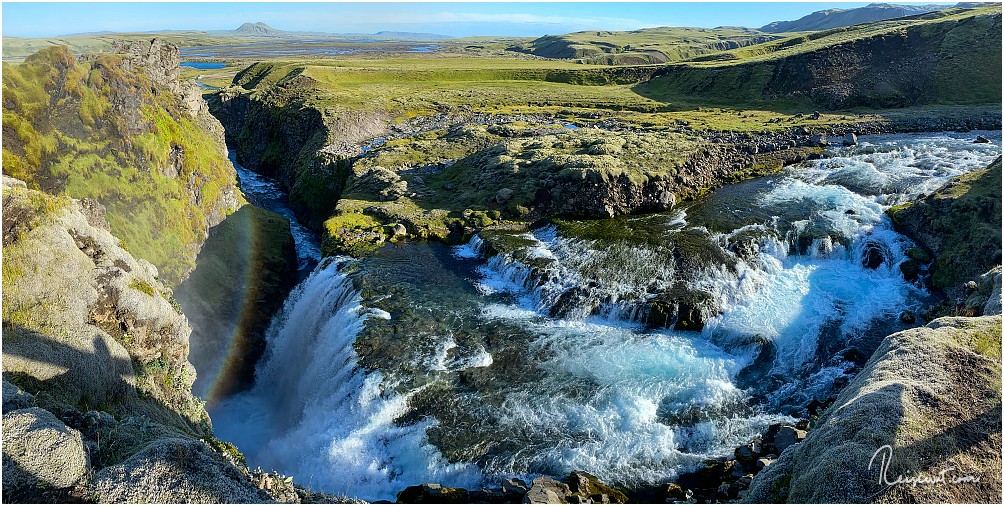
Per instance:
{"type": "Point", "coordinates": [258, 30]}
{"type": "Point", "coordinates": [835, 18]}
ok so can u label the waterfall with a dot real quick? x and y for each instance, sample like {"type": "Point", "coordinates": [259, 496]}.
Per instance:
{"type": "Point", "coordinates": [315, 414]}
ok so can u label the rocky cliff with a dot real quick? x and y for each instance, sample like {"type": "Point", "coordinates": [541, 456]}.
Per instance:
{"type": "Point", "coordinates": [244, 272]}
{"type": "Point", "coordinates": [122, 130]}
{"type": "Point", "coordinates": [920, 424]}
{"type": "Point", "coordinates": [97, 402]}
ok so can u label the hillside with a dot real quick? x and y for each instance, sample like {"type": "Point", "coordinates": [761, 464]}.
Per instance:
{"type": "Point", "coordinates": [122, 130]}
{"type": "Point", "coordinates": [836, 18]}
{"type": "Point", "coordinates": [929, 59]}
{"type": "Point", "coordinates": [649, 45]}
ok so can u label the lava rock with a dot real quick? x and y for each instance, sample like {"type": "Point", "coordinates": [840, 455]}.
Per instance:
{"type": "Point", "coordinates": [910, 270]}
{"type": "Point", "coordinates": [433, 493]}
{"type": "Point", "coordinates": [502, 196]}
{"type": "Point", "coordinates": [872, 256]}
{"type": "Point", "coordinates": [545, 490]}
{"type": "Point", "coordinates": [514, 487]}
{"type": "Point", "coordinates": [787, 436]}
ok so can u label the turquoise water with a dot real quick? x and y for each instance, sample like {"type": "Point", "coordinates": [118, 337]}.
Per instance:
{"type": "Point", "coordinates": [428, 363]}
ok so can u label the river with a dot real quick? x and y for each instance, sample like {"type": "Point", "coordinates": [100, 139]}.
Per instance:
{"type": "Point", "coordinates": [430, 363]}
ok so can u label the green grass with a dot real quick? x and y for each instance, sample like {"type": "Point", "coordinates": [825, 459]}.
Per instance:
{"type": "Point", "coordinates": [62, 134]}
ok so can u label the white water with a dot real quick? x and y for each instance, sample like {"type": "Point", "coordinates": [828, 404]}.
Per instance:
{"type": "Point", "coordinates": [316, 415]}
{"type": "Point", "coordinates": [263, 192]}
{"type": "Point", "coordinates": [627, 404]}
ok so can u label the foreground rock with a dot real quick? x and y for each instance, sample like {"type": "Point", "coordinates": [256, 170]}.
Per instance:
{"type": "Point", "coordinates": [39, 453]}
{"type": "Point", "coordinates": [97, 386]}
{"type": "Point", "coordinates": [577, 488]}
{"type": "Point", "coordinates": [932, 394]}
{"type": "Point", "coordinates": [172, 471]}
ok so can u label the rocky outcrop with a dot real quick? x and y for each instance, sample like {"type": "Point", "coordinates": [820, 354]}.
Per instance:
{"type": "Point", "coordinates": [158, 59]}
{"type": "Point", "coordinates": [173, 471]}
{"type": "Point", "coordinates": [925, 407]}
{"type": "Point", "coordinates": [275, 134]}
{"type": "Point", "coordinates": [84, 319]}
{"type": "Point", "coordinates": [960, 225]}
{"type": "Point", "coordinates": [97, 385]}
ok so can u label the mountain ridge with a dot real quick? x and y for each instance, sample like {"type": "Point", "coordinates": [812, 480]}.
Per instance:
{"type": "Point", "coordinates": [835, 18]}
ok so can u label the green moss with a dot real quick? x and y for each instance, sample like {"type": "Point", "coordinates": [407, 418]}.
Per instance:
{"type": "Point", "coordinates": [62, 134]}
{"type": "Point", "coordinates": [143, 286]}
{"type": "Point", "coordinates": [918, 254]}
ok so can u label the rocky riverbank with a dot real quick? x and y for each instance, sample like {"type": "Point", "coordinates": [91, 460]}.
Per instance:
{"type": "Point", "coordinates": [959, 225]}
{"type": "Point", "coordinates": [926, 407]}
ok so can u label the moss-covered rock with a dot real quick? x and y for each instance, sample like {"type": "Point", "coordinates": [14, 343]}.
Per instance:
{"type": "Point", "coordinates": [85, 322]}
{"type": "Point", "coordinates": [39, 453]}
{"type": "Point", "coordinates": [960, 224]}
{"type": "Point", "coordinates": [122, 130]}
{"type": "Point", "coordinates": [933, 395]}
{"type": "Point", "coordinates": [174, 471]}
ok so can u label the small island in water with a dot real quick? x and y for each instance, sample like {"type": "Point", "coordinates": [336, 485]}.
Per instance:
{"type": "Point", "coordinates": [624, 263]}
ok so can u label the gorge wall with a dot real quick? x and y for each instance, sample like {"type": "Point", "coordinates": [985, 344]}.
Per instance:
{"type": "Point", "coordinates": [122, 130]}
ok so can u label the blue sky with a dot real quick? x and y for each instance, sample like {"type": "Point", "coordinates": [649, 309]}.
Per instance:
{"type": "Point", "coordinates": [35, 19]}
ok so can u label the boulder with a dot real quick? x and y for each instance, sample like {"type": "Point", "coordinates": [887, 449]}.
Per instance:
{"type": "Point", "coordinates": [515, 487]}
{"type": "Point", "coordinates": [433, 493]}
{"type": "Point", "coordinates": [545, 490]}
{"type": "Point", "coordinates": [850, 139]}
{"type": "Point", "coordinates": [587, 487]}
{"type": "Point", "coordinates": [981, 140]}
{"type": "Point", "coordinates": [910, 269]}
{"type": "Point", "coordinates": [819, 140]}
{"type": "Point", "coordinates": [39, 452]}
{"type": "Point", "coordinates": [502, 196]}
{"type": "Point", "coordinates": [14, 398]}
{"type": "Point", "coordinates": [787, 436]}
{"type": "Point", "coordinates": [872, 255]}
{"type": "Point", "coordinates": [175, 471]}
